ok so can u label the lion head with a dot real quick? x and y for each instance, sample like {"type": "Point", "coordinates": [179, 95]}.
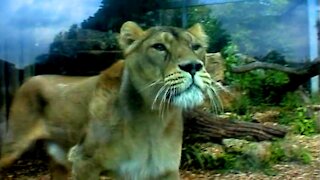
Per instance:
{"type": "Point", "coordinates": [170, 64]}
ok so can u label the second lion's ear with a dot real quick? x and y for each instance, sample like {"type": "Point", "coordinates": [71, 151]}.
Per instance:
{"type": "Point", "coordinates": [129, 32]}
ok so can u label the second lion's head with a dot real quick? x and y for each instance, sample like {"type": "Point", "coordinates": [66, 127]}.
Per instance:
{"type": "Point", "coordinates": [167, 64]}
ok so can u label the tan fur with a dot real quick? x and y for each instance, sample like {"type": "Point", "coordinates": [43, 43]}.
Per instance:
{"type": "Point", "coordinates": [215, 65]}
{"type": "Point", "coordinates": [127, 120]}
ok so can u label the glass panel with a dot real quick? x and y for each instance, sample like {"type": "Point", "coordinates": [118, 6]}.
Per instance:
{"type": "Point", "coordinates": [79, 38]}
{"type": "Point", "coordinates": [260, 27]}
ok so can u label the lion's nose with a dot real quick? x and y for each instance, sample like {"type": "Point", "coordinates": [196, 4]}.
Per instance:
{"type": "Point", "coordinates": [191, 67]}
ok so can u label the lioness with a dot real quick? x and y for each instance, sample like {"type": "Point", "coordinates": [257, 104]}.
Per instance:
{"type": "Point", "coordinates": [128, 119]}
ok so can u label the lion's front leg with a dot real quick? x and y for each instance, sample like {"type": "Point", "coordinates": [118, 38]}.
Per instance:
{"type": "Point", "coordinates": [83, 168]}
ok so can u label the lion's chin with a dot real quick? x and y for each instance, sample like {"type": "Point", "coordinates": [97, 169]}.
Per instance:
{"type": "Point", "coordinates": [189, 98]}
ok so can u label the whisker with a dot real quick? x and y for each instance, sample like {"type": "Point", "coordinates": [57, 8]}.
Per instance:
{"type": "Point", "coordinates": [163, 103]}
{"type": "Point", "coordinates": [157, 96]}
{"type": "Point", "coordinates": [217, 84]}
{"type": "Point", "coordinates": [176, 83]}
{"type": "Point", "coordinates": [213, 94]}
{"type": "Point", "coordinates": [212, 101]}
{"type": "Point", "coordinates": [151, 84]}
{"type": "Point", "coordinates": [171, 94]}
{"type": "Point", "coordinates": [216, 100]}
{"type": "Point", "coordinates": [220, 86]}
{"type": "Point", "coordinates": [214, 87]}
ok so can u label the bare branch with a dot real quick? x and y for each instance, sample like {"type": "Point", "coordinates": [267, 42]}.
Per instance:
{"type": "Point", "coordinates": [312, 68]}
{"type": "Point", "coordinates": [264, 65]}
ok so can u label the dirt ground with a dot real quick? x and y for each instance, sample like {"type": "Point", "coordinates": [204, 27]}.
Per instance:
{"type": "Point", "coordinates": [34, 167]}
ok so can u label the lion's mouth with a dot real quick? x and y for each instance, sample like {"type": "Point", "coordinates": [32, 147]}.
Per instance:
{"type": "Point", "coordinates": [189, 97]}
{"type": "Point", "coordinates": [191, 87]}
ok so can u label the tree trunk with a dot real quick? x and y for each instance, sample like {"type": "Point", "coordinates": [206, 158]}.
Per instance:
{"type": "Point", "coordinates": [214, 128]}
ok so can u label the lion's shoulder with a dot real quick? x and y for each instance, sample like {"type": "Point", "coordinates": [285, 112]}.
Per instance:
{"type": "Point", "coordinates": [111, 77]}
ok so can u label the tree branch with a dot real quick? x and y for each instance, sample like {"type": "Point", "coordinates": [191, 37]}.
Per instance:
{"type": "Point", "coordinates": [264, 65]}
{"type": "Point", "coordinates": [297, 76]}
{"type": "Point", "coordinates": [312, 68]}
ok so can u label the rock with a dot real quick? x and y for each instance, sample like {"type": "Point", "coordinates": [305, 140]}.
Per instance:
{"type": "Point", "coordinates": [259, 151]}
{"type": "Point", "coordinates": [267, 116]}
{"type": "Point", "coordinates": [235, 145]}
{"type": "Point", "coordinates": [214, 150]}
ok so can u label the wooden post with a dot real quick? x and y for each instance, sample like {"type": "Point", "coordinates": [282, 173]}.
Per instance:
{"type": "Point", "coordinates": [313, 40]}
{"type": "Point", "coordinates": [184, 13]}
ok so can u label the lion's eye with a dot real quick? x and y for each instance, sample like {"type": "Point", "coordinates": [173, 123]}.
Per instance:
{"type": "Point", "coordinates": [195, 47]}
{"type": "Point", "coordinates": [159, 47]}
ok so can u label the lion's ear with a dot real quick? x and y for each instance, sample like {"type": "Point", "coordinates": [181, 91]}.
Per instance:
{"type": "Point", "coordinates": [129, 32]}
{"type": "Point", "coordinates": [199, 33]}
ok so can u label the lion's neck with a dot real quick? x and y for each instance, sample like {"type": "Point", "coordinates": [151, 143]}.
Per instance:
{"type": "Point", "coordinates": [137, 105]}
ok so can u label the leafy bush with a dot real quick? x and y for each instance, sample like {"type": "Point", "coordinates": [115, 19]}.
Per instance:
{"type": "Point", "coordinates": [300, 121]}
{"type": "Point", "coordinates": [291, 101]}
{"type": "Point", "coordinates": [288, 151]}
{"type": "Point", "coordinates": [247, 157]}
{"type": "Point", "coordinates": [303, 124]}
{"type": "Point", "coordinates": [261, 86]}
{"type": "Point", "coordinates": [195, 157]}
{"type": "Point", "coordinates": [240, 106]}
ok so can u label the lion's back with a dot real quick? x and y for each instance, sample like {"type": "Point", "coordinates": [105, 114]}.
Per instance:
{"type": "Point", "coordinates": [56, 105]}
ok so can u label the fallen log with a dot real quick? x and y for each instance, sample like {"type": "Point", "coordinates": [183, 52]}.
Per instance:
{"type": "Point", "coordinates": [212, 127]}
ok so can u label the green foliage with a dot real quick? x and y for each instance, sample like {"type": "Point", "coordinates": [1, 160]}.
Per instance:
{"type": "Point", "coordinates": [113, 13]}
{"type": "Point", "coordinates": [230, 54]}
{"type": "Point", "coordinates": [303, 124]}
{"type": "Point", "coordinates": [288, 151]}
{"type": "Point", "coordinates": [315, 98]}
{"type": "Point", "coordinates": [261, 86]}
{"type": "Point", "coordinates": [303, 155]}
{"type": "Point", "coordinates": [300, 121]}
{"type": "Point", "coordinates": [291, 101]}
{"type": "Point", "coordinates": [277, 153]}
{"type": "Point", "coordinates": [243, 162]}
{"type": "Point", "coordinates": [77, 39]}
{"type": "Point", "coordinates": [241, 105]}
{"type": "Point", "coordinates": [218, 36]}
{"type": "Point", "coordinates": [194, 157]}
{"type": "Point", "coordinates": [280, 151]}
